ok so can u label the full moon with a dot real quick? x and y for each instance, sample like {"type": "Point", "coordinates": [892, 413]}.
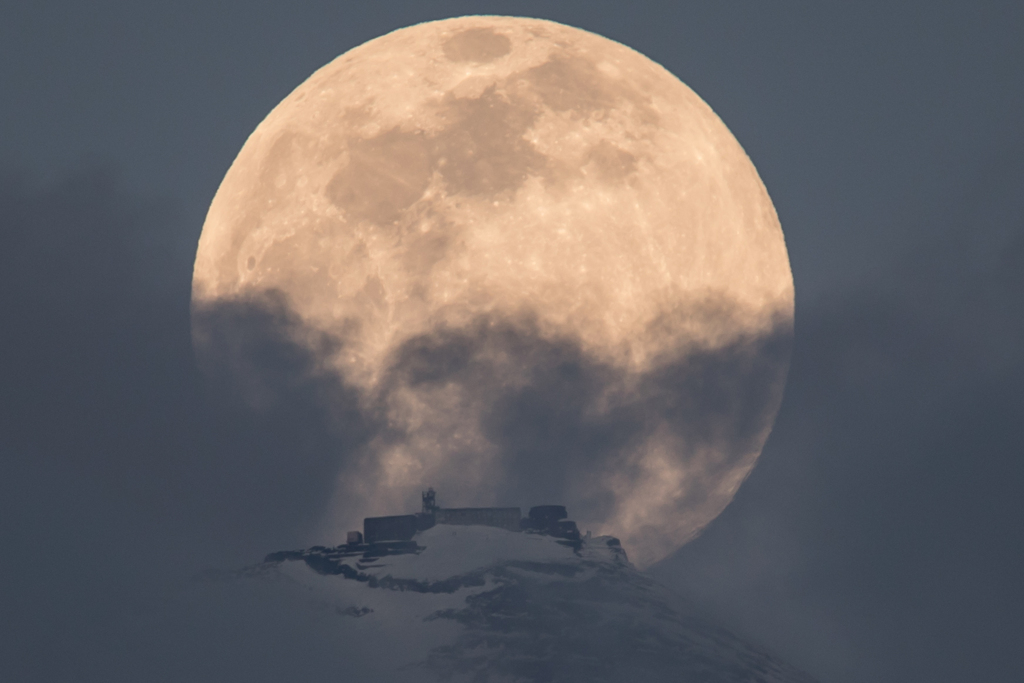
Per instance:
{"type": "Point", "coordinates": [542, 264]}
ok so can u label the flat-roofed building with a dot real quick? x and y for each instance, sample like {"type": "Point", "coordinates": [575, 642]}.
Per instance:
{"type": "Point", "coordinates": [393, 528]}
{"type": "Point", "coordinates": [503, 518]}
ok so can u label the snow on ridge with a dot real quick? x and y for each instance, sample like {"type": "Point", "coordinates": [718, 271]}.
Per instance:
{"type": "Point", "coordinates": [482, 603]}
{"type": "Point", "coordinates": [451, 550]}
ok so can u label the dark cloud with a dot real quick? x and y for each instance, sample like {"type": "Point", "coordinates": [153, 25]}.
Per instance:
{"type": "Point", "coordinates": [877, 540]}
{"type": "Point", "coordinates": [126, 472]}
{"type": "Point", "coordinates": [880, 537]}
{"type": "Point", "coordinates": [118, 474]}
{"type": "Point", "coordinates": [498, 412]}
{"type": "Point", "coordinates": [556, 413]}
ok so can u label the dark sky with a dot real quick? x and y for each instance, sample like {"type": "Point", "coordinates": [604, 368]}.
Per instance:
{"type": "Point", "coordinates": [881, 537]}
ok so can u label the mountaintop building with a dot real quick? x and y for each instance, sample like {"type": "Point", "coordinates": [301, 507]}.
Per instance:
{"type": "Point", "coordinates": [544, 519]}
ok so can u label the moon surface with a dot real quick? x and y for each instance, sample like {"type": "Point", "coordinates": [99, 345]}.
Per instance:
{"type": "Point", "coordinates": [468, 208]}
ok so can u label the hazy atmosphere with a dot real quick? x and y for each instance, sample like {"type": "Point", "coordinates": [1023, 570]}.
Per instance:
{"type": "Point", "coordinates": [879, 537]}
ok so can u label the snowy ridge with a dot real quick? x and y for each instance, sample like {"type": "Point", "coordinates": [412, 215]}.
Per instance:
{"type": "Point", "coordinates": [473, 603]}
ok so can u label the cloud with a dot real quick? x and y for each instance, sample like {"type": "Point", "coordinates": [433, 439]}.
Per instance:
{"type": "Point", "coordinates": [126, 470]}
{"type": "Point", "coordinates": [497, 412]}
{"type": "Point", "coordinates": [879, 538]}
{"type": "Point", "coordinates": [880, 528]}
{"type": "Point", "coordinates": [117, 474]}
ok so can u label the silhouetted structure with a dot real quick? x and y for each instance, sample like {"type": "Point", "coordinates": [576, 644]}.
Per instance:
{"type": "Point", "coordinates": [550, 520]}
{"type": "Point", "coordinates": [543, 519]}
{"type": "Point", "coordinates": [394, 528]}
{"type": "Point", "coordinates": [503, 518]}
{"type": "Point", "coordinates": [548, 513]}
{"type": "Point", "coordinates": [429, 501]}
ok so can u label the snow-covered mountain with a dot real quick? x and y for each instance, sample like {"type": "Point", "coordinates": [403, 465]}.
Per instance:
{"type": "Point", "coordinates": [483, 604]}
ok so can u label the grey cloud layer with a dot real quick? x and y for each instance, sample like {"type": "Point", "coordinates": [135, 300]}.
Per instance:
{"type": "Point", "coordinates": [888, 494]}
{"type": "Point", "coordinates": [497, 412]}
{"type": "Point", "coordinates": [879, 539]}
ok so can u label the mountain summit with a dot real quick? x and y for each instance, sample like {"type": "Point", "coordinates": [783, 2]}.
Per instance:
{"type": "Point", "coordinates": [488, 604]}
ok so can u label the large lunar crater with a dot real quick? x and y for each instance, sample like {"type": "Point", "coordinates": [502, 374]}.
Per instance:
{"type": "Point", "coordinates": [543, 264]}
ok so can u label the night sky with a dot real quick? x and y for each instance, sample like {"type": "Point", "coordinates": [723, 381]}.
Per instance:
{"type": "Point", "coordinates": [880, 537]}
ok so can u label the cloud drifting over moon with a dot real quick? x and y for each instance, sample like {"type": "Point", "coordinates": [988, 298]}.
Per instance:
{"type": "Point", "coordinates": [520, 211]}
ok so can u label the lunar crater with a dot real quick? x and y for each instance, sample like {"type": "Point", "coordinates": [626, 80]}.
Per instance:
{"type": "Point", "coordinates": [479, 45]}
